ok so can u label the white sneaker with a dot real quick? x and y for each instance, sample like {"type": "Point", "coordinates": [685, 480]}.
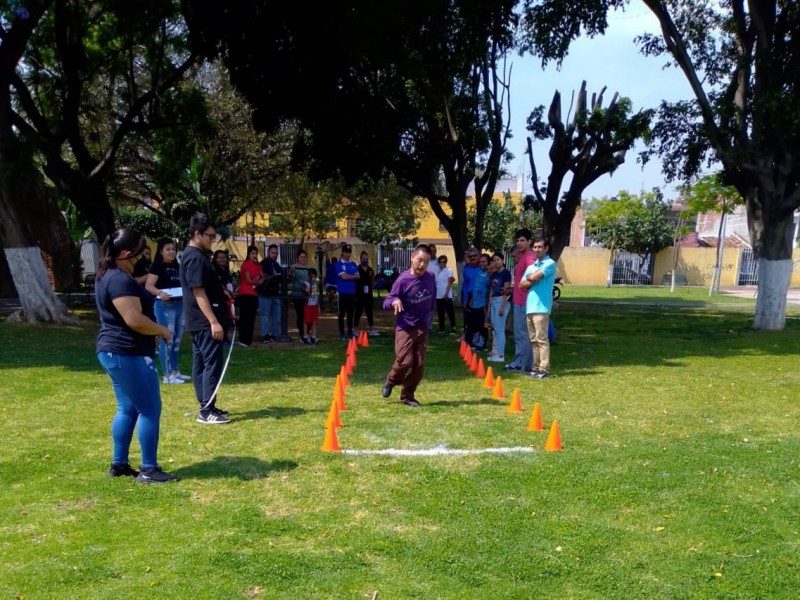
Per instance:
{"type": "Point", "coordinates": [172, 380]}
{"type": "Point", "coordinates": [373, 333]}
{"type": "Point", "coordinates": [497, 358]}
{"type": "Point", "coordinates": [182, 377]}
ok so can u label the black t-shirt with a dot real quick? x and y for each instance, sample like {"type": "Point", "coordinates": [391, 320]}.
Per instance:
{"type": "Point", "coordinates": [365, 278]}
{"type": "Point", "coordinates": [196, 271]}
{"type": "Point", "coordinates": [272, 287]}
{"type": "Point", "coordinates": [115, 336]}
{"type": "Point", "coordinates": [168, 274]}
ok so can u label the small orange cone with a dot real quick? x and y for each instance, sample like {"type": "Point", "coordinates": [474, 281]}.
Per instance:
{"type": "Point", "coordinates": [340, 400]}
{"type": "Point", "coordinates": [352, 358]}
{"type": "Point", "coordinates": [480, 372]}
{"type": "Point", "coordinates": [467, 356]}
{"type": "Point", "coordinates": [516, 402]}
{"type": "Point", "coordinates": [352, 346]}
{"type": "Point", "coordinates": [535, 424]}
{"type": "Point", "coordinates": [553, 442]}
{"type": "Point", "coordinates": [343, 375]}
{"type": "Point", "coordinates": [348, 366]}
{"type": "Point", "coordinates": [331, 442]}
{"type": "Point", "coordinates": [473, 363]}
{"type": "Point", "coordinates": [489, 381]}
{"type": "Point", "coordinates": [365, 343]}
{"type": "Point", "coordinates": [498, 393]}
{"type": "Point", "coordinates": [462, 349]}
{"type": "Point", "coordinates": [360, 340]}
{"type": "Point", "coordinates": [333, 416]}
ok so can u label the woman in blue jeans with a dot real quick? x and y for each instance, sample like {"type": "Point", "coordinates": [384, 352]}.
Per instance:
{"type": "Point", "coordinates": [126, 351]}
{"type": "Point", "coordinates": [500, 286]}
{"type": "Point", "coordinates": [165, 275]}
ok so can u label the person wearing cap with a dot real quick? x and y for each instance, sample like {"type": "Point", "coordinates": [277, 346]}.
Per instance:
{"type": "Point", "coordinates": [346, 278]}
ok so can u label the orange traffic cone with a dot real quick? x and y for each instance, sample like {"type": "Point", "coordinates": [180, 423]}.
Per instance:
{"type": "Point", "coordinates": [331, 442]}
{"type": "Point", "coordinates": [553, 442]}
{"type": "Point", "coordinates": [333, 416]}
{"type": "Point", "coordinates": [535, 424]}
{"type": "Point", "coordinates": [348, 365]}
{"type": "Point", "coordinates": [340, 400]}
{"type": "Point", "coordinates": [473, 363]}
{"type": "Point", "coordinates": [489, 381]}
{"type": "Point", "coordinates": [462, 349]}
{"type": "Point", "coordinates": [360, 340]}
{"type": "Point", "coordinates": [480, 372]}
{"type": "Point", "coordinates": [516, 403]}
{"type": "Point", "coordinates": [467, 356]}
{"type": "Point", "coordinates": [343, 375]}
{"type": "Point", "coordinates": [352, 346]}
{"type": "Point", "coordinates": [352, 357]}
{"type": "Point", "coordinates": [498, 393]}
{"type": "Point", "coordinates": [365, 343]}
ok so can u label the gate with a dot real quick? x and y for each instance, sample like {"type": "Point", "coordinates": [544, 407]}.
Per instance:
{"type": "Point", "coordinates": [390, 257]}
{"type": "Point", "coordinates": [632, 269]}
{"type": "Point", "coordinates": [748, 268]}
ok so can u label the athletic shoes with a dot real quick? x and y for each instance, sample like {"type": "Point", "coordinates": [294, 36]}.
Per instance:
{"type": "Point", "coordinates": [373, 333]}
{"type": "Point", "coordinates": [122, 471]}
{"type": "Point", "coordinates": [266, 340]}
{"type": "Point", "coordinates": [219, 411]}
{"type": "Point", "coordinates": [305, 340]}
{"type": "Point", "coordinates": [314, 341]}
{"type": "Point", "coordinates": [539, 374]}
{"type": "Point", "coordinates": [212, 417]}
{"type": "Point", "coordinates": [155, 475]}
{"type": "Point", "coordinates": [343, 337]}
{"type": "Point", "coordinates": [497, 358]}
{"type": "Point", "coordinates": [411, 403]}
{"type": "Point", "coordinates": [511, 368]}
{"type": "Point", "coordinates": [386, 390]}
{"type": "Point", "coordinates": [243, 345]}
{"type": "Point", "coordinates": [172, 380]}
{"type": "Point", "coordinates": [182, 377]}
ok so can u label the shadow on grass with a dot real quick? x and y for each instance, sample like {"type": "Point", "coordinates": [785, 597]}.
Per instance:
{"type": "Point", "coordinates": [271, 412]}
{"type": "Point", "coordinates": [457, 403]}
{"type": "Point", "coordinates": [245, 468]}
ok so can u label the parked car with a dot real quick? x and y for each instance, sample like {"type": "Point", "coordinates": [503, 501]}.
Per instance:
{"type": "Point", "coordinates": [624, 275]}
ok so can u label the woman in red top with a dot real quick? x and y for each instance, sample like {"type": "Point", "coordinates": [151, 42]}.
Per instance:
{"type": "Point", "coordinates": [247, 298]}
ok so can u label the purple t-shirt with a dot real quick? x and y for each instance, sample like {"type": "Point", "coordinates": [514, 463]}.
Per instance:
{"type": "Point", "coordinates": [418, 295]}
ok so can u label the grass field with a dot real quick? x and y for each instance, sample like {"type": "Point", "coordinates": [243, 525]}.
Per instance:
{"type": "Point", "coordinates": [678, 479]}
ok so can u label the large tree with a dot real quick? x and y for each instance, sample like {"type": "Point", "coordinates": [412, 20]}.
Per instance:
{"type": "Point", "coordinates": [742, 61]}
{"type": "Point", "coordinates": [592, 143]}
{"type": "Point", "coordinates": [414, 88]}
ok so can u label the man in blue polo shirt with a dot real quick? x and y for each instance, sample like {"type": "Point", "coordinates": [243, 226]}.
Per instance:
{"type": "Point", "coordinates": [346, 278]}
{"type": "Point", "coordinates": [471, 270]}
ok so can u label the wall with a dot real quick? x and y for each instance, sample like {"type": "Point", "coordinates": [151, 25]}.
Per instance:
{"type": "Point", "coordinates": [584, 266]}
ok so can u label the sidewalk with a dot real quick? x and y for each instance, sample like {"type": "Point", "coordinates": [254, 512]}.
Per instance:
{"type": "Point", "coordinates": [749, 292]}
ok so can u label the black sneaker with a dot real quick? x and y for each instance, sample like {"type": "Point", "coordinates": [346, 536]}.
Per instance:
{"type": "Point", "coordinates": [411, 403]}
{"type": "Point", "coordinates": [266, 340]}
{"type": "Point", "coordinates": [510, 368]}
{"type": "Point", "coordinates": [212, 418]}
{"type": "Point", "coordinates": [540, 374]}
{"type": "Point", "coordinates": [219, 411]}
{"type": "Point", "coordinates": [155, 475]}
{"type": "Point", "coordinates": [122, 471]}
{"type": "Point", "coordinates": [386, 390]}
{"type": "Point", "coordinates": [305, 340]}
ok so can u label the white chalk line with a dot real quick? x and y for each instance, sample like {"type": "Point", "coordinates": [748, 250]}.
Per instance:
{"type": "Point", "coordinates": [439, 451]}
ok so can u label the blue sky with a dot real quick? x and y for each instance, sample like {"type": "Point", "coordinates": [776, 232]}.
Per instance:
{"type": "Point", "coordinates": [614, 61]}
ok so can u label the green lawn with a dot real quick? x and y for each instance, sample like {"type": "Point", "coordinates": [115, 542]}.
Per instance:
{"type": "Point", "coordinates": [678, 479]}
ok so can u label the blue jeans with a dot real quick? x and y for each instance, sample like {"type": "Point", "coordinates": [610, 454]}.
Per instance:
{"type": "Point", "coordinates": [523, 352]}
{"type": "Point", "coordinates": [170, 315]}
{"type": "Point", "coordinates": [207, 363]}
{"type": "Point", "coordinates": [499, 324]}
{"type": "Point", "coordinates": [269, 308]}
{"type": "Point", "coordinates": [135, 383]}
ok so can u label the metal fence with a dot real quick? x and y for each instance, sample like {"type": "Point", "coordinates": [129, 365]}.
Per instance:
{"type": "Point", "coordinates": [632, 269]}
{"type": "Point", "coordinates": [748, 268]}
{"type": "Point", "coordinates": [390, 257]}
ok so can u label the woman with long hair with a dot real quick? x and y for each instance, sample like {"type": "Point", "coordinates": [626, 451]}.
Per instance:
{"type": "Point", "coordinates": [247, 298]}
{"type": "Point", "coordinates": [126, 351]}
{"type": "Point", "coordinates": [298, 274]}
{"type": "Point", "coordinates": [165, 275]}
{"type": "Point", "coordinates": [500, 285]}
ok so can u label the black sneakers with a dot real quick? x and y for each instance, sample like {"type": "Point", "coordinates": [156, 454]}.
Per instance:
{"type": "Point", "coordinates": [122, 471]}
{"type": "Point", "coordinates": [411, 403]}
{"type": "Point", "coordinates": [155, 475]}
{"type": "Point", "coordinates": [386, 390]}
{"type": "Point", "coordinates": [212, 417]}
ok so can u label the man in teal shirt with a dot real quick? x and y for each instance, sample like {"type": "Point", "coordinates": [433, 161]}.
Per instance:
{"type": "Point", "coordinates": [538, 279]}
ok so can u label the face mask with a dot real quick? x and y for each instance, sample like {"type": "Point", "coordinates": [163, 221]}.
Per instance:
{"type": "Point", "coordinates": [364, 261]}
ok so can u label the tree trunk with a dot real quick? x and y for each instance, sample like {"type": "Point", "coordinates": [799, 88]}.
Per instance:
{"type": "Point", "coordinates": [771, 235]}
{"type": "Point", "coordinates": [18, 187]}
